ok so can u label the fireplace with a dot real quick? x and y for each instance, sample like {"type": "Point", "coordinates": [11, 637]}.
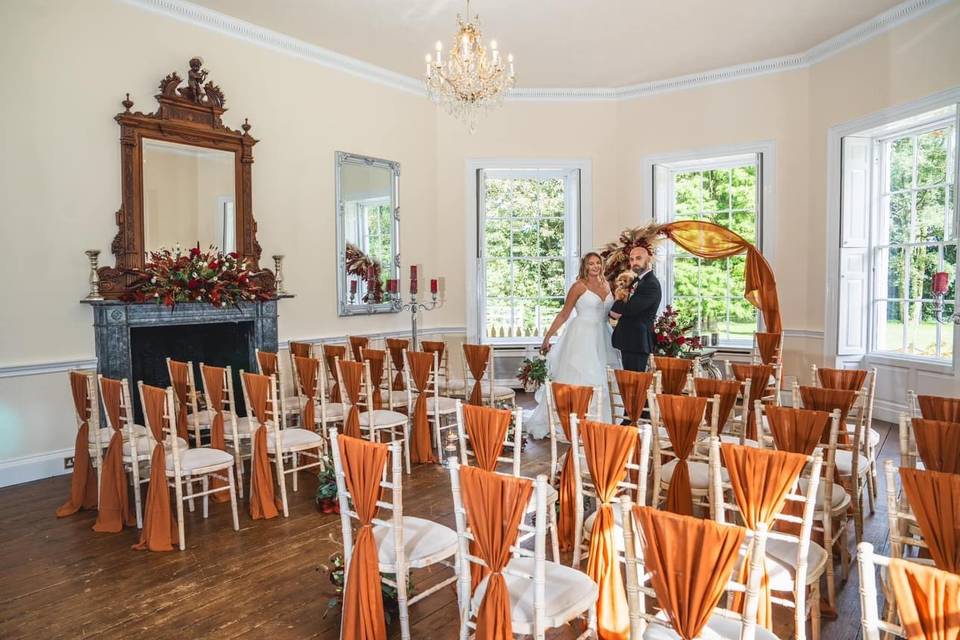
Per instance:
{"type": "Point", "coordinates": [134, 340]}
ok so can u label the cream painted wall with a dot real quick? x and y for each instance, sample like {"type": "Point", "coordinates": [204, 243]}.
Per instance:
{"type": "Point", "coordinates": [59, 175]}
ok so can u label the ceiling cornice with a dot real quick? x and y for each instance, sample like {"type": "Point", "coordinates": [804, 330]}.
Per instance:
{"type": "Point", "coordinates": [260, 36]}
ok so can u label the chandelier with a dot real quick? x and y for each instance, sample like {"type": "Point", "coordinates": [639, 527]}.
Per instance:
{"type": "Point", "coordinates": [468, 82]}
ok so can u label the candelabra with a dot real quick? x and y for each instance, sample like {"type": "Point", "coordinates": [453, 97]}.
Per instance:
{"type": "Point", "coordinates": [414, 307]}
{"type": "Point", "coordinates": [94, 294]}
{"type": "Point", "coordinates": [941, 283]}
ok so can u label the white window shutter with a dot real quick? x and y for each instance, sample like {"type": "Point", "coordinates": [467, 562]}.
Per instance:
{"type": "Point", "coordinates": [857, 160]}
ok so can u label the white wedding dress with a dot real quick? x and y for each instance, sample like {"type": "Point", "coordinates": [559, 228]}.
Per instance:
{"type": "Point", "coordinates": [580, 356]}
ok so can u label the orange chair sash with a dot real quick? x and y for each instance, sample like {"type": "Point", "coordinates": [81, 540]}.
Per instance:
{"type": "Point", "coordinates": [269, 363]}
{"type": "Point", "coordinates": [681, 416]}
{"type": "Point", "coordinates": [159, 528]}
{"type": "Point", "coordinates": [352, 373]}
{"type": "Point", "coordinates": [607, 449]}
{"type": "Point", "coordinates": [307, 371]}
{"type": "Point", "coordinates": [421, 449]}
{"type": "Point", "coordinates": [487, 428]}
{"type": "Point", "coordinates": [759, 376]}
{"type": "Point", "coordinates": [673, 373]}
{"type": "Point", "coordinates": [180, 381]}
{"type": "Point", "coordinates": [848, 379]}
{"type": "Point", "coordinates": [83, 480]}
{"type": "Point", "coordinates": [357, 344]}
{"type": "Point", "coordinates": [928, 600]}
{"type": "Point", "coordinates": [939, 408]}
{"type": "Point", "coordinates": [477, 356]}
{"type": "Point", "coordinates": [690, 561]}
{"type": "Point", "coordinates": [363, 465]}
{"type": "Point", "coordinates": [396, 347]}
{"type": "Point", "coordinates": [263, 501]}
{"type": "Point", "coordinates": [935, 499]}
{"type": "Point", "coordinates": [575, 399]}
{"type": "Point", "coordinates": [114, 513]}
{"type": "Point", "coordinates": [633, 386]}
{"type": "Point", "coordinates": [797, 430]}
{"type": "Point", "coordinates": [768, 344]}
{"type": "Point", "coordinates": [331, 352]}
{"type": "Point", "coordinates": [377, 359]}
{"type": "Point", "coordinates": [495, 505]}
{"type": "Point", "coordinates": [728, 390]}
{"type": "Point", "coordinates": [822, 399]}
{"type": "Point", "coordinates": [761, 480]}
{"type": "Point", "coordinates": [213, 386]}
{"type": "Point", "coordinates": [938, 443]}
{"type": "Point", "coordinates": [300, 349]}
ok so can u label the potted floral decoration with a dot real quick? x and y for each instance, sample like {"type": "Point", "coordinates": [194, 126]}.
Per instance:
{"type": "Point", "coordinates": [670, 333]}
{"type": "Point", "coordinates": [533, 373]}
{"type": "Point", "coordinates": [171, 276]}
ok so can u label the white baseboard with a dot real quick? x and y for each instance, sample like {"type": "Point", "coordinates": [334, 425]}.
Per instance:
{"type": "Point", "coordinates": [888, 411]}
{"type": "Point", "coordinates": [34, 467]}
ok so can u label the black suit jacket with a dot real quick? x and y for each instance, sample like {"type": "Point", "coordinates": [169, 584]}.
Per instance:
{"type": "Point", "coordinates": [634, 330]}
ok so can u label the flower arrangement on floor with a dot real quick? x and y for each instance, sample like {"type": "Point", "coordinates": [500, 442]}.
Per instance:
{"type": "Point", "coordinates": [532, 373]}
{"type": "Point", "coordinates": [390, 605]}
{"type": "Point", "coordinates": [326, 496]}
{"type": "Point", "coordinates": [171, 276]}
{"type": "Point", "coordinates": [670, 333]}
{"type": "Point", "coordinates": [513, 425]}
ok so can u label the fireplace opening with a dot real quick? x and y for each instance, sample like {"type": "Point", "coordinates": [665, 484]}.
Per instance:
{"type": "Point", "coordinates": [219, 344]}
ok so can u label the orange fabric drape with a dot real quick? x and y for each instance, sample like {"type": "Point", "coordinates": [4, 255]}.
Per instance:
{"type": "Point", "coordinates": [352, 373]}
{"type": "Point", "coordinates": [759, 376]}
{"type": "Point", "coordinates": [494, 505]}
{"type": "Point", "coordinates": [396, 347]}
{"type": "Point", "coordinates": [269, 363]}
{"type": "Point", "coordinates": [728, 390]}
{"type": "Point", "coordinates": [363, 463]}
{"type": "Point", "coordinates": [331, 352]}
{"type": "Point", "coordinates": [797, 430]}
{"type": "Point", "coordinates": [633, 386]}
{"type": "Point", "coordinates": [358, 344]}
{"type": "Point", "coordinates": [821, 399]}
{"type": "Point", "coordinates": [928, 600]}
{"type": "Point", "coordinates": [935, 499]}
{"type": "Point", "coordinates": [487, 428]}
{"type": "Point", "coordinates": [607, 448]}
{"type": "Point", "coordinates": [180, 381]}
{"type": "Point", "coordinates": [690, 561]}
{"type": "Point", "coordinates": [263, 501]}
{"type": "Point", "coordinates": [83, 480]}
{"type": "Point", "coordinates": [114, 511]}
{"type": "Point", "coordinates": [377, 359]}
{"type": "Point", "coordinates": [575, 399]}
{"type": "Point", "coordinates": [938, 443]}
{"type": "Point", "coordinates": [939, 408]}
{"type": "Point", "coordinates": [421, 450]}
{"type": "Point", "coordinates": [434, 346]}
{"type": "Point", "coordinates": [848, 379]}
{"type": "Point", "coordinates": [711, 241]}
{"type": "Point", "coordinates": [761, 480]}
{"type": "Point", "coordinates": [307, 372]}
{"type": "Point", "coordinates": [681, 416]}
{"type": "Point", "coordinates": [159, 528]}
{"type": "Point", "coordinates": [213, 385]}
{"type": "Point", "coordinates": [673, 373]}
{"type": "Point", "coordinates": [300, 349]}
{"type": "Point", "coordinates": [768, 346]}
{"type": "Point", "coordinates": [477, 356]}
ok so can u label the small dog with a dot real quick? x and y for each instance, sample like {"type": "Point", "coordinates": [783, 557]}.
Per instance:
{"type": "Point", "coordinates": [623, 285]}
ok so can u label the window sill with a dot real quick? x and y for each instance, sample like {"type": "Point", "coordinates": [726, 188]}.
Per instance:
{"type": "Point", "coordinates": [943, 367]}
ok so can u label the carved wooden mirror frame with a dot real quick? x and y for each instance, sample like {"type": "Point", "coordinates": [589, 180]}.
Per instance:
{"type": "Point", "coordinates": [186, 115]}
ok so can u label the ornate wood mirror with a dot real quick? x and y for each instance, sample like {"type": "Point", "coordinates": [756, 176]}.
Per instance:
{"type": "Point", "coordinates": [186, 179]}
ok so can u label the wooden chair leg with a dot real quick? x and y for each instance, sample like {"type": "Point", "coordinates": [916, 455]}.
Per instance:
{"type": "Point", "coordinates": [239, 458]}
{"type": "Point", "coordinates": [188, 481]}
{"type": "Point", "coordinates": [554, 532]}
{"type": "Point", "coordinates": [278, 462]}
{"type": "Point", "coordinates": [180, 528]}
{"type": "Point", "coordinates": [815, 611]}
{"type": "Point", "coordinates": [296, 463]}
{"type": "Point", "coordinates": [137, 499]}
{"type": "Point", "coordinates": [233, 498]}
{"type": "Point", "coordinates": [205, 486]}
{"type": "Point", "coordinates": [402, 606]}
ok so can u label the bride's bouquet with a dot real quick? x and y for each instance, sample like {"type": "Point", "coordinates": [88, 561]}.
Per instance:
{"type": "Point", "coordinates": [670, 333]}
{"type": "Point", "coordinates": [533, 373]}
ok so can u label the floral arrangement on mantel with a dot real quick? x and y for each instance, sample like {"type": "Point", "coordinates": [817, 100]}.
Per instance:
{"type": "Point", "coordinates": [171, 276]}
{"type": "Point", "coordinates": [670, 334]}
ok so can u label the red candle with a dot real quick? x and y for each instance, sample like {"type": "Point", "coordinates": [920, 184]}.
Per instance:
{"type": "Point", "coordinates": [353, 286]}
{"type": "Point", "coordinates": [941, 282]}
{"type": "Point", "coordinates": [413, 272]}
{"type": "Point", "coordinates": [413, 285]}
{"type": "Point", "coordinates": [391, 285]}
{"type": "Point", "coordinates": [433, 286]}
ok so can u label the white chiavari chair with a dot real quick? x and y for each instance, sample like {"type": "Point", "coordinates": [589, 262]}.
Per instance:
{"type": "Point", "coordinates": [441, 410]}
{"type": "Point", "coordinates": [288, 388]}
{"type": "Point", "coordinates": [198, 419]}
{"type": "Point", "coordinates": [543, 594]}
{"type": "Point", "coordinates": [237, 431]}
{"type": "Point", "coordinates": [556, 430]}
{"type": "Point", "coordinates": [615, 398]}
{"type": "Point", "coordinates": [492, 393]}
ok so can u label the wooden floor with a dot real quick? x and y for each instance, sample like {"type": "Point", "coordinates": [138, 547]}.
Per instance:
{"type": "Point", "coordinates": [59, 579]}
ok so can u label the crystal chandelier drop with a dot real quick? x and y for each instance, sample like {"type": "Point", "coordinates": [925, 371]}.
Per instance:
{"type": "Point", "coordinates": [468, 82]}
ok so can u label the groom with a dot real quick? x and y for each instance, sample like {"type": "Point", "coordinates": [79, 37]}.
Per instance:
{"type": "Point", "coordinates": [633, 335]}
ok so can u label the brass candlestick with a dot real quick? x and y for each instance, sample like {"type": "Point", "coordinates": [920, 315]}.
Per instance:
{"type": "Point", "coordinates": [278, 272]}
{"type": "Point", "coordinates": [93, 255]}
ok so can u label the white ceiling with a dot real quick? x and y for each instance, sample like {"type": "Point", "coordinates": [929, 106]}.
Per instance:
{"type": "Point", "coordinates": [566, 43]}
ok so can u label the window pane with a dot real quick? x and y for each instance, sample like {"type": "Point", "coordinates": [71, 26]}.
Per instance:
{"type": "Point", "coordinates": [498, 197]}
{"type": "Point", "coordinates": [498, 278]}
{"type": "Point", "coordinates": [525, 238]}
{"type": "Point", "coordinates": [932, 157]}
{"type": "Point", "coordinates": [548, 311]}
{"type": "Point", "coordinates": [525, 318]}
{"type": "Point", "coordinates": [523, 198]}
{"type": "Point", "coordinates": [551, 278]}
{"type": "Point", "coordinates": [744, 193]}
{"type": "Point", "coordinates": [551, 237]}
{"type": "Point", "coordinates": [552, 197]}
{"type": "Point", "coordinates": [901, 164]}
{"type": "Point", "coordinates": [744, 223]}
{"type": "Point", "coordinates": [898, 218]}
{"type": "Point", "coordinates": [686, 188]}
{"type": "Point", "coordinates": [931, 214]}
{"type": "Point", "coordinates": [921, 330]}
{"type": "Point", "coordinates": [950, 266]}
{"type": "Point", "coordinates": [497, 238]}
{"type": "Point", "coordinates": [889, 315]}
{"type": "Point", "coordinates": [743, 320]}
{"type": "Point", "coordinates": [716, 190]}
{"type": "Point", "coordinates": [950, 233]}
{"type": "Point", "coordinates": [924, 262]}
{"type": "Point", "coordinates": [685, 277]}
{"type": "Point", "coordinates": [686, 307]}
{"type": "Point", "coordinates": [890, 261]}
{"type": "Point", "coordinates": [526, 279]}
{"type": "Point", "coordinates": [946, 335]}
{"type": "Point", "coordinates": [713, 314]}
{"type": "Point", "coordinates": [498, 316]}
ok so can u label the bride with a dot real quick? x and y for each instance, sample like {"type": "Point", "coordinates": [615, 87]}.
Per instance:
{"type": "Point", "coordinates": [584, 351]}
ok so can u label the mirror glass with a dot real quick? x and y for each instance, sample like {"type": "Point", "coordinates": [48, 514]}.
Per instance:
{"type": "Point", "coordinates": [367, 231]}
{"type": "Point", "coordinates": [189, 196]}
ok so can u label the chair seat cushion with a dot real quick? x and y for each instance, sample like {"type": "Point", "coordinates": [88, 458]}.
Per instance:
{"type": "Point", "coordinates": [441, 404]}
{"type": "Point", "coordinates": [294, 438]}
{"type": "Point", "coordinates": [782, 560]}
{"type": "Point", "coordinates": [382, 418]}
{"type": "Point", "coordinates": [201, 458]}
{"type": "Point", "coordinates": [718, 627]}
{"type": "Point", "coordinates": [699, 474]}
{"type": "Point", "coordinates": [145, 450]}
{"type": "Point", "coordinates": [503, 392]}
{"type": "Point", "coordinates": [703, 446]}
{"type": "Point", "coordinates": [838, 499]}
{"type": "Point", "coordinates": [844, 463]}
{"type": "Point", "coordinates": [394, 397]}
{"type": "Point", "coordinates": [874, 434]}
{"type": "Point", "coordinates": [568, 593]}
{"type": "Point", "coordinates": [617, 530]}
{"type": "Point", "coordinates": [245, 426]}
{"type": "Point", "coordinates": [424, 543]}
{"type": "Point", "coordinates": [106, 433]}
{"type": "Point", "coordinates": [334, 411]}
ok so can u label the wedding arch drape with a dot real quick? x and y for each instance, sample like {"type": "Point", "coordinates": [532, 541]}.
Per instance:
{"type": "Point", "coordinates": [711, 241]}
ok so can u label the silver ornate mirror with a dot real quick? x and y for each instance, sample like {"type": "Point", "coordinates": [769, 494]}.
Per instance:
{"type": "Point", "coordinates": [368, 230]}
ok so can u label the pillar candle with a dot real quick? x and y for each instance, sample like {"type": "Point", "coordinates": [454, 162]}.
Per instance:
{"type": "Point", "coordinates": [941, 282]}
{"type": "Point", "coordinates": [433, 286]}
{"type": "Point", "coordinates": [353, 286]}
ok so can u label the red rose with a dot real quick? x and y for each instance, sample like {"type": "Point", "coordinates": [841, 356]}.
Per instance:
{"type": "Point", "coordinates": [194, 283]}
{"type": "Point", "coordinates": [195, 252]}
{"type": "Point", "coordinates": [681, 340]}
{"type": "Point", "coordinates": [661, 339]}
{"type": "Point", "coordinates": [213, 265]}
{"type": "Point", "coordinates": [233, 254]}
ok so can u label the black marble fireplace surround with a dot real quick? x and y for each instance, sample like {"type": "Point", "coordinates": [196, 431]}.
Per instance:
{"type": "Point", "coordinates": [134, 340]}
